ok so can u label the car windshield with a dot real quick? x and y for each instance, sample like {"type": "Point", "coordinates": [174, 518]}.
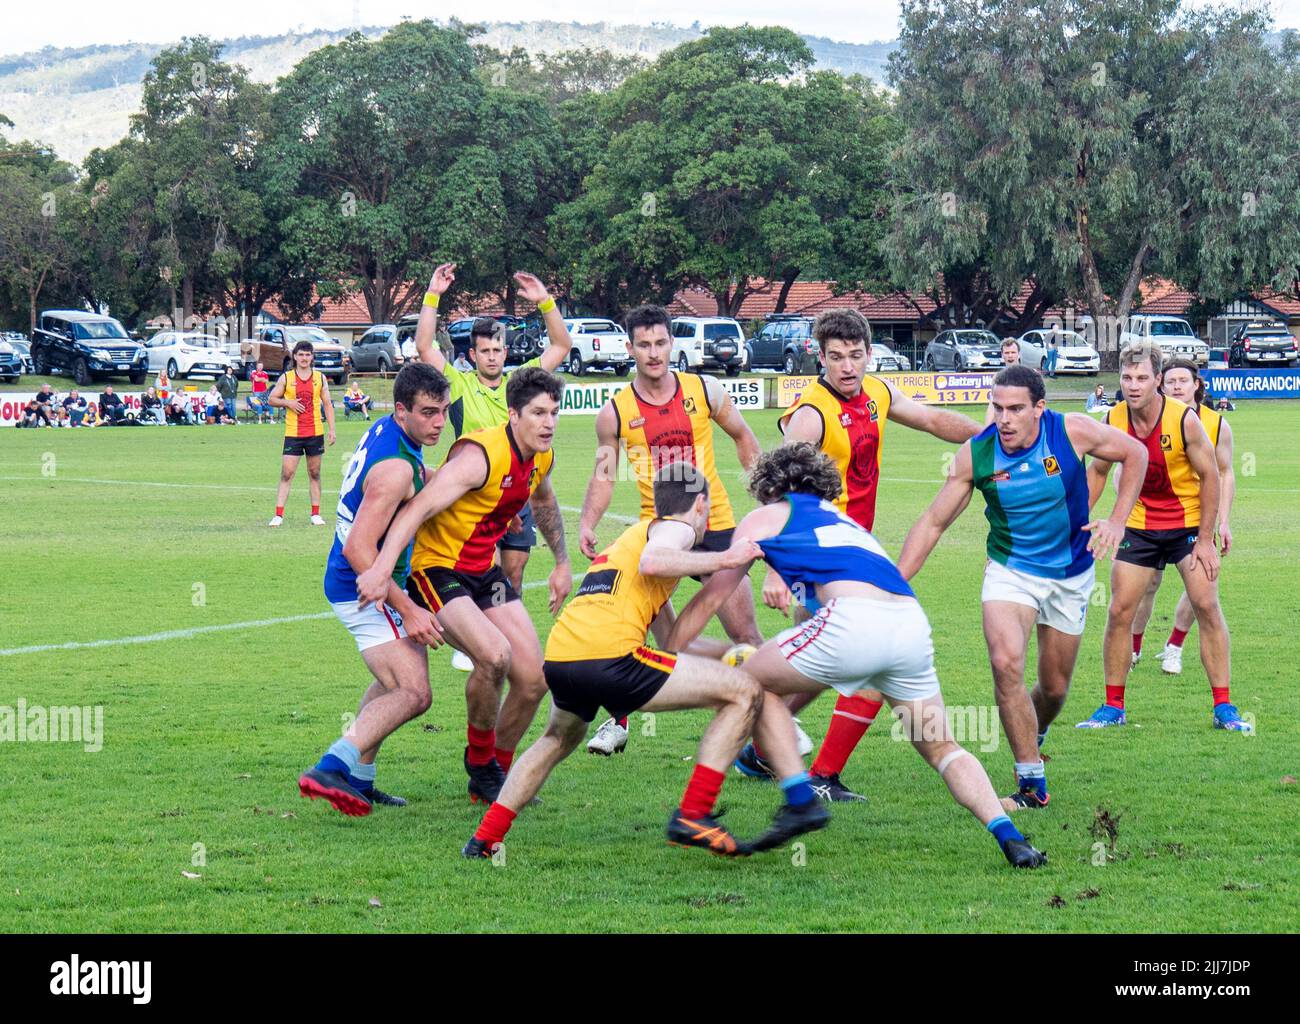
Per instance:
{"type": "Point", "coordinates": [1068, 339]}
{"type": "Point", "coordinates": [1170, 328]}
{"type": "Point", "coordinates": [313, 334]}
{"type": "Point", "coordinates": [980, 338]}
{"type": "Point", "coordinates": [199, 341]}
{"type": "Point", "coordinates": [98, 330]}
{"type": "Point", "coordinates": [714, 331]}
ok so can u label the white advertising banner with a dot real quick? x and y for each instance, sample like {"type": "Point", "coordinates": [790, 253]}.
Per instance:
{"type": "Point", "coordinates": [746, 392]}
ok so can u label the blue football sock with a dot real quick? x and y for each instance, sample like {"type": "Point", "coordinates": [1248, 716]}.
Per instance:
{"type": "Point", "coordinates": [1032, 775]}
{"type": "Point", "coordinates": [798, 790]}
{"type": "Point", "coordinates": [1003, 831]}
{"type": "Point", "coordinates": [362, 777]}
{"type": "Point", "coordinates": [1041, 737]}
{"type": "Point", "coordinates": [342, 756]}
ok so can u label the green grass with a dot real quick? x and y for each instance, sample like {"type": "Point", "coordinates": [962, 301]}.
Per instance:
{"type": "Point", "coordinates": [204, 735]}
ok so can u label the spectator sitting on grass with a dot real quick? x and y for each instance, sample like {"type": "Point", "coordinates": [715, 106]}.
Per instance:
{"type": "Point", "coordinates": [178, 409]}
{"type": "Point", "coordinates": [228, 385]}
{"type": "Point", "coordinates": [35, 414]}
{"type": "Point", "coordinates": [355, 400]}
{"type": "Point", "coordinates": [214, 405]}
{"type": "Point", "coordinates": [1098, 400]}
{"type": "Point", "coordinates": [259, 400]}
{"type": "Point", "coordinates": [74, 409]}
{"type": "Point", "coordinates": [111, 408]}
{"type": "Point", "coordinates": [46, 398]}
{"type": "Point", "coordinates": [151, 406]}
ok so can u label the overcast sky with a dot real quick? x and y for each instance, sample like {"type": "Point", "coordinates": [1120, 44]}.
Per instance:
{"type": "Point", "coordinates": [28, 26]}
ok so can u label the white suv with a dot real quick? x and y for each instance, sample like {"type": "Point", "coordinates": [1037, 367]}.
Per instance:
{"type": "Point", "coordinates": [1172, 334]}
{"type": "Point", "coordinates": [598, 344]}
{"type": "Point", "coordinates": [708, 343]}
{"type": "Point", "coordinates": [187, 354]}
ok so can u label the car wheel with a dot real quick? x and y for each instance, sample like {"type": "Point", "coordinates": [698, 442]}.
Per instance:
{"type": "Point", "coordinates": [620, 370]}
{"type": "Point", "coordinates": [683, 364]}
{"type": "Point", "coordinates": [81, 373]}
{"type": "Point", "coordinates": [40, 365]}
{"type": "Point", "coordinates": [733, 369]}
{"type": "Point", "coordinates": [342, 378]}
{"type": "Point", "coordinates": [575, 363]}
{"type": "Point", "coordinates": [927, 364]}
{"type": "Point", "coordinates": [139, 378]}
{"type": "Point", "coordinates": [791, 365]}
{"type": "Point", "coordinates": [384, 368]}
{"type": "Point", "coordinates": [172, 369]}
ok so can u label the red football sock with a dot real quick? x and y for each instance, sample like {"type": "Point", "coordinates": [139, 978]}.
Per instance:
{"type": "Point", "coordinates": [1220, 695]}
{"type": "Point", "coordinates": [279, 510]}
{"type": "Point", "coordinates": [482, 744]}
{"type": "Point", "coordinates": [1115, 696]}
{"type": "Point", "coordinates": [315, 510]}
{"type": "Point", "coordinates": [495, 824]}
{"type": "Point", "coordinates": [702, 791]}
{"type": "Point", "coordinates": [852, 718]}
{"type": "Point", "coordinates": [621, 722]}
{"type": "Point", "coordinates": [1137, 643]}
{"type": "Point", "coordinates": [504, 757]}
{"type": "Point", "coordinates": [1177, 637]}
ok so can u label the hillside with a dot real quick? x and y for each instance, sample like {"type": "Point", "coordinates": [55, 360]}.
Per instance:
{"type": "Point", "coordinates": [77, 99]}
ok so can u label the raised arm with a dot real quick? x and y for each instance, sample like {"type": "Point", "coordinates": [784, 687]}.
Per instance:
{"type": "Point", "coordinates": [426, 344]}
{"type": "Point", "coordinates": [546, 514]}
{"type": "Point", "coordinates": [466, 469]}
{"type": "Point", "coordinates": [600, 490]}
{"type": "Point", "coordinates": [948, 504]}
{"type": "Point", "coordinates": [1227, 485]}
{"type": "Point", "coordinates": [556, 353]}
{"type": "Point", "coordinates": [728, 417]}
{"type": "Point", "coordinates": [930, 419]}
{"type": "Point", "coordinates": [1089, 437]}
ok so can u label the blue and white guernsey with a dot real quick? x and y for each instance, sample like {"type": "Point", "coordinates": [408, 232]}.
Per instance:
{"type": "Point", "coordinates": [384, 440]}
{"type": "Point", "coordinates": [820, 544]}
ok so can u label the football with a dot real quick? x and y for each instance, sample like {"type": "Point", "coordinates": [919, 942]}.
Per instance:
{"type": "Point", "coordinates": [737, 655]}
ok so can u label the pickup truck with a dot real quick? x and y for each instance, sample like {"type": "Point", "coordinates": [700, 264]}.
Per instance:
{"type": "Point", "coordinates": [272, 346]}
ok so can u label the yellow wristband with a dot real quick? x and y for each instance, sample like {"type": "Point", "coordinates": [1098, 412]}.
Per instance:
{"type": "Point", "coordinates": [431, 299]}
{"type": "Point", "coordinates": [546, 305]}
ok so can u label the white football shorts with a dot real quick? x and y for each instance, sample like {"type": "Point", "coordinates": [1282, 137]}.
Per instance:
{"type": "Point", "coordinates": [370, 626]}
{"type": "Point", "coordinates": [1061, 604]}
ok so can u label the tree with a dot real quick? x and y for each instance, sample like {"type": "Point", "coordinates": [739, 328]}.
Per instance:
{"type": "Point", "coordinates": [34, 189]}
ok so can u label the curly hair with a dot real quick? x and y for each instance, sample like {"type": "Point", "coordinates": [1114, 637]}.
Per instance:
{"type": "Point", "coordinates": [527, 382]}
{"type": "Point", "coordinates": [845, 324]}
{"type": "Point", "coordinates": [799, 468]}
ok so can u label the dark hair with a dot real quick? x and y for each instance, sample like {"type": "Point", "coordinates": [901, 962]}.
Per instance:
{"type": "Point", "coordinates": [799, 468]}
{"type": "Point", "coordinates": [1190, 367]}
{"type": "Point", "coordinates": [304, 346]}
{"type": "Point", "coordinates": [677, 485]}
{"type": "Point", "coordinates": [647, 316]}
{"type": "Point", "coordinates": [416, 379]}
{"type": "Point", "coordinates": [485, 327]}
{"type": "Point", "coordinates": [528, 382]}
{"type": "Point", "coordinates": [845, 324]}
{"type": "Point", "coordinates": [1020, 376]}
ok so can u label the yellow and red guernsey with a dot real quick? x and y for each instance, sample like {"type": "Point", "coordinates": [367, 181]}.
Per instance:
{"type": "Point", "coordinates": [853, 430]}
{"type": "Point", "coordinates": [614, 606]}
{"type": "Point", "coordinates": [464, 536]}
{"type": "Point", "coordinates": [309, 423]}
{"type": "Point", "coordinates": [1171, 492]}
{"type": "Point", "coordinates": [680, 430]}
{"type": "Point", "coordinates": [1212, 422]}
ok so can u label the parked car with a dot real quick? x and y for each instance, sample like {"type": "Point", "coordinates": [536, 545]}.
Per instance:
{"type": "Point", "coordinates": [964, 349]}
{"type": "Point", "coordinates": [1073, 353]}
{"type": "Point", "coordinates": [22, 346]}
{"type": "Point", "coordinates": [272, 346]}
{"type": "Point", "coordinates": [598, 344]}
{"type": "Point", "coordinates": [708, 343]}
{"type": "Point", "coordinates": [11, 361]}
{"type": "Point", "coordinates": [1218, 359]}
{"type": "Point", "coordinates": [1171, 334]}
{"type": "Point", "coordinates": [1262, 344]}
{"type": "Point", "coordinates": [884, 359]}
{"type": "Point", "coordinates": [785, 340]}
{"type": "Point", "coordinates": [187, 354]}
{"type": "Point", "coordinates": [379, 350]}
{"type": "Point", "coordinates": [90, 346]}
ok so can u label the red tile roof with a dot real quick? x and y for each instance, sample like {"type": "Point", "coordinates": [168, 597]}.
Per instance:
{"type": "Point", "coordinates": [1287, 305]}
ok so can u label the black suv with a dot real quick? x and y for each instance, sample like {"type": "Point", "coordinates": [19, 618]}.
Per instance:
{"type": "Point", "coordinates": [87, 345]}
{"type": "Point", "coordinates": [1262, 344]}
{"type": "Point", "coordinates": [785, 340]}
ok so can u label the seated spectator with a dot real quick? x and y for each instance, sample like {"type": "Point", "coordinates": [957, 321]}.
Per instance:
{"type": "Point", "coordinates": [151, 407]}
{"type": "Point", "coordinates": [112, 410]}
{"type": "Point", "coordinates": [35, 414]}
{"type": "Point", "coordinates": [1098, 400]}
{"type": "Point", "coordinates": [46, 398]}
{"type": "Point", "coordinates": [259, 405]}
{"type": "Point", "coordinates": [228, 385]}
{"type": "Point", "coordinates": [355, 400]}
{"type": "Point", "coordinates": [74, 409]}
{"type": "Point", "coordinates": [92, 415]}
{"type": "Point", "coordinates": [1221, 404]}
{"type": "Point", "coordinates": [178, 409]}
{"type": "Point", "coordinates": [260, 401]}
{"type": "Point", "coordinates": [214, 405]}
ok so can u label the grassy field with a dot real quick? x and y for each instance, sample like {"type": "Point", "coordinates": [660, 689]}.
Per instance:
{"type": "Point", "coordinates": [122, 535]}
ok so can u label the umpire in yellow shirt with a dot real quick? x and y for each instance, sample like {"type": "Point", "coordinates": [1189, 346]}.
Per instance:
{"type": "Point", "coordinates": [478, 397]}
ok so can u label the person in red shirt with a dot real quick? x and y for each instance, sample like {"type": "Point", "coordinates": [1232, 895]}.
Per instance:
{"type": "Point", "coordinates": [258, 401]}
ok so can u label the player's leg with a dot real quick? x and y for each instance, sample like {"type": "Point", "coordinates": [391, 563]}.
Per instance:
{"type": "Point", "coordinates": [1203, 593]}
{"type": "Point", "coordinates": [926, 723]}
{"type": "Point", "coordinates": [1143, 615]}
{"type": "Point", "coordinates": [1057, 654]}
{"type": "Point", "coordinates": [1007, 628]}
{"type": "Point", "coordinates": [313, 484]}
{"type": "Point", "coordinates": [1171, 661]}
{"type": "Point", "coordinates": [513, 563]}
{"type": "Point", "coordinates": [737, 615]}
{"type": "Point", "coordinates": [515, 548]}
{"type": "Point", "coordinates": [288, 467]}
{"type": "Point", "coordinates": [1129, 580]}
{"type": "Point", "coordinates": [527, 682]}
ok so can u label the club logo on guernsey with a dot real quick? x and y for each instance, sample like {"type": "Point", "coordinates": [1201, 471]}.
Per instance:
{"type": "Point", "coordinates": [846, 420]}
{"type": "Point", "coordinates": [1166, 443]}
{"type": "Point", "coordinates": [871, 408]}
{"type": "Point", "coordinates": [688, 405]}
{"type": "Point", "coordinates": [532, 477]}
{"type": "Point", "coordinates": [1001, 476]}
{"type": "Point", "coordinates": [1052, 467]}
{"type": "Point", "coordinates": [638, 422]}
{"type": "Point", "coordinates": [507, 480]}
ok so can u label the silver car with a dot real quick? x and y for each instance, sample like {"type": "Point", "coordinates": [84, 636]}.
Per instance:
{"type": "Point", "coordinates": [964, 349]}
{"type": "Point", "coordinates": [379, 350]}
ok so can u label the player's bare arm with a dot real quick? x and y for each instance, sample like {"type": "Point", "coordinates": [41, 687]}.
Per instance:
{"type": "Point", "coordinates": [556, 353]}
{"type": "Point", "coordinates": [1201, 454]}
{"type": "Point", "coordinates": [728, 417]}
{"type": "Point", "coordinates": [426, 330]}
{"type": "Point", "coordinates": [948, 504]}
{"type": "Point", "coordinates": [946, 426]}
{"type": "Point", "coordinates": [758, 525]}
{"type": "Point", "coordinates": [667, 554]}
{"type": "Point", "coordinates": [278, 400]}
{"type": "Point", "coordinates": [328, 404]}
{"type": "Point", "coordinates": [1227, 486]}
{"type": "Point", "coordinates": [600, 491]}
{"type": "Point", "coordinates": [805, 424]}
{"type": "Point", "coordinates": [1098, 471]}
{"type": "Point", "coordinates": [1090, 437]}
{"type": "Point", "coordinates": [702, 647]}
{"type": "Point", "coordinates": [550, 522]}
{"type": "Point", "coordinates": [466, 469]}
